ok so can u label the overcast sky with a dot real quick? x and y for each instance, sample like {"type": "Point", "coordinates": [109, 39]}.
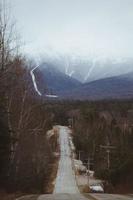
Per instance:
{"type": "Point", "coordinates": [82, 27]}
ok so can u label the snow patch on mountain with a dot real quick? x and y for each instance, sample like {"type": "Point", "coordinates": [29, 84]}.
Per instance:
{"type": "Point", "coordinates": [51, 96]}
{"type": "Point", "coordinates": [71, 73]}
{"type": "Point", "coordinates": [90, 70]}
{"type": "Point", "coordinates": [34, 81]}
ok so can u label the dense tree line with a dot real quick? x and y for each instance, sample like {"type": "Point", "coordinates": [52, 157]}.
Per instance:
{"type": "Point", "coordinates": [103, 131]}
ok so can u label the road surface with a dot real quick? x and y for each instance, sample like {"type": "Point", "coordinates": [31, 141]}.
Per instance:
{"type": "Point", "coordinates": [65, 184]}
{"type": "Point", "coordinates": [65, 181]}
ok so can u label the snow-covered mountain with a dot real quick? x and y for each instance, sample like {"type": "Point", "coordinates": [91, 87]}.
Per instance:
{"type": "Point", "coordinates": [104, 79]}
{"type": "Point", "coordinates": [90, 69]}
{"type": "Point", "coordinates": [51, 82]}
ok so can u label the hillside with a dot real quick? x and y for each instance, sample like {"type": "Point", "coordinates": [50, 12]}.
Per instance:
{"type": "Point", "coordinates": [119, 87]}
{"type": "Point", "coordinates": [51, 81]}
{"type": "Point", "coordinates": [90, 69]}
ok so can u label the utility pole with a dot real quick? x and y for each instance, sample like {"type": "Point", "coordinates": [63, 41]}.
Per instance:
{"type": "Point", "coordinates": [79, 153]}
{"type": "Point", "coordinates": [88, 163]}
{"type": "Point", "coordinates": [70, 121]}
{"type": "Point", "coordinates": [108, 149]}
{"type": "Point", "coordinates": [108, 158]}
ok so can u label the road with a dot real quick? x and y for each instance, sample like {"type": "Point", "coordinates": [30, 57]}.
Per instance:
{"type": "Point", "coordinates": [65, 184]}
{"type": "Point", "coordinates": [65, 181]}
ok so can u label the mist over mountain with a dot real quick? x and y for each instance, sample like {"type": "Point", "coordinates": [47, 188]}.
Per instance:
{"type": "Point", "coordinates": [101, 84]}
{"type": "Point", "coordinates": [90, 69]}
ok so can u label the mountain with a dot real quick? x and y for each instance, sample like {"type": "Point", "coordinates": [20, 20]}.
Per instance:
{"type": "Point", "coordinates": [108, 68]}
{"type": "Point", "coordinates": [51, 81]}
{"type": "Point", "coordinates": [89, 69]}
{"type": "Point", "coordinates": [117, 87]}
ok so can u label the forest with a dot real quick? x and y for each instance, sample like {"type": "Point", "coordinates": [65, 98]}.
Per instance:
{"type": "Point", "coordinates": [103, 132]}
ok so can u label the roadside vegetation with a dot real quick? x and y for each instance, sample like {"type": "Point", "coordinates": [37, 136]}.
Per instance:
{"type": "Point", "coordinates": [25, 154]}
{"type": "Point", "coordinates": [103, 133]}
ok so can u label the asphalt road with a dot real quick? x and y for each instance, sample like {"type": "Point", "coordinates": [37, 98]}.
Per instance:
{"type": "Point", "coordinates": [65, 184]}
{"type": "Point", "coordinates": [63, 197]}
{"type": "Point", "coordinates": [65, 181]}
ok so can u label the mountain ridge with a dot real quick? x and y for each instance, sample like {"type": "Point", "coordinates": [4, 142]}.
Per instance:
{"type": "Point", "coordinates": [89, 69]}
{"type": "Point", "coordinates": [107, 88]}
{"type": "Point", "coordinates": [51, 81]}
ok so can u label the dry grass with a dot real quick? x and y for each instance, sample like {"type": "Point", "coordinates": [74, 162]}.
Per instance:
{"type": "Point", "coordinates": [9, 196]}
{"type": "Point", "coordinates": [84, 189]}
{"type": "Point", "coordinates": [52, 173]}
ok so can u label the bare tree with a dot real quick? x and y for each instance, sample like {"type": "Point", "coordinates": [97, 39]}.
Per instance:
{"type": "Point", "coordinates": [8, 35]}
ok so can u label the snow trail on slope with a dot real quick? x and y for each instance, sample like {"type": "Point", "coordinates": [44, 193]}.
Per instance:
{"type": "Point", "coordinates": [34, 81]}
{"type": "Point", "coordinates": [89, 72]}
{"type": "Point", "coordinates": [65, 181]}
{"type": "Point", "coordinates": [71, 73]}
{"type": "Point", "coordinates": [51, 96]}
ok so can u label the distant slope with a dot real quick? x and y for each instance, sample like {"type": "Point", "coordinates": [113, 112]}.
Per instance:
{"type": "Point", "coordinates": [118, 87]}
{"type": "Point", "coordinates": [87, 69]}
{"type": "Point", "coordinates": [51, 81]}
